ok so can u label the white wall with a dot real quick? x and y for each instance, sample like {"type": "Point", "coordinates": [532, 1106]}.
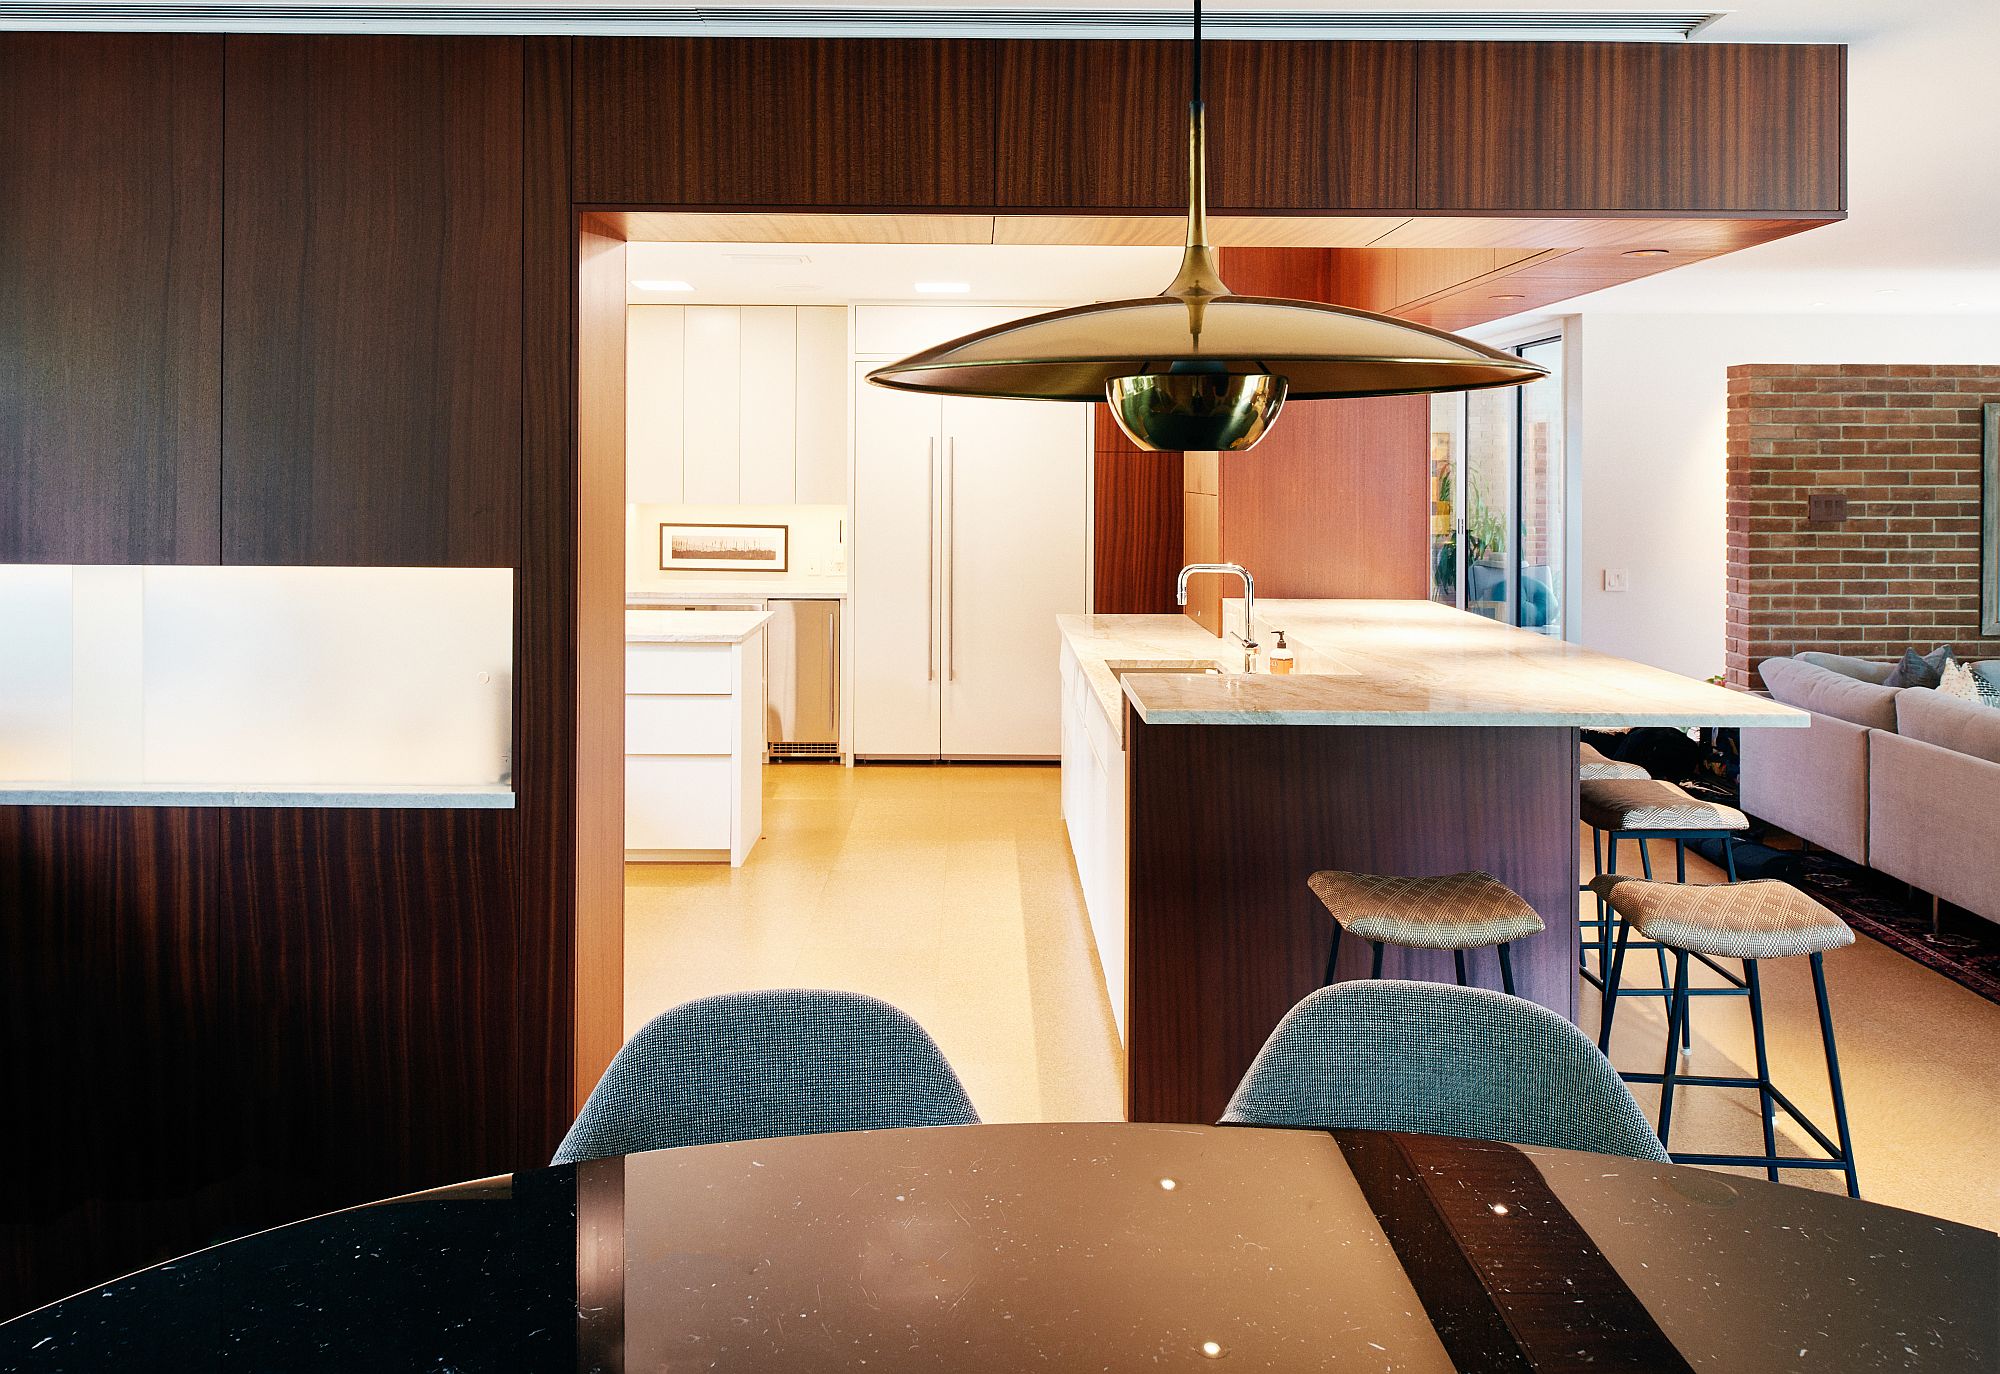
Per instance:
{"type": "Point", "coordinates": [1653, 412]}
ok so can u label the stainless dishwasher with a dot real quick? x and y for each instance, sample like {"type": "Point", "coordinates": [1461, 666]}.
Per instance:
{"type": "Point", "coordinates": [802, 679]}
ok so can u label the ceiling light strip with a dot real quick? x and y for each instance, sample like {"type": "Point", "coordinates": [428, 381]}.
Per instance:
{"type": "Point", "coordinates": [827, 21]}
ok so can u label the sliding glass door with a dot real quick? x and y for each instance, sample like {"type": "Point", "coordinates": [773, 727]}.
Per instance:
{"type": "Point", "coordinates": [1498, 508]}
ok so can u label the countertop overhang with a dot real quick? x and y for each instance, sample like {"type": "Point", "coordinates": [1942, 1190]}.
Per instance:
{"type": "Point", "coordinates": [693, 627]}
{"type": "Point", "coordinates": [1403, 663]}
{"type": "Point", "coordinates": [359, 796]}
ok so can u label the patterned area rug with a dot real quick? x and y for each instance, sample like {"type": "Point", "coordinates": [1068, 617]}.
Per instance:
{"type": "Point", "coordinates": [1967, 952]}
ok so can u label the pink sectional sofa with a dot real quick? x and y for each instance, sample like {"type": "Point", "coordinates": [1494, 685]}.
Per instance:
{"type": "Point", "coordinates": [1903, 780]}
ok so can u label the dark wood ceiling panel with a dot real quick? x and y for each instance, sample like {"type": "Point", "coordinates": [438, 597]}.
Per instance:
{"type": "Point", "coordinates": [1699, 127]}
{"type": "Point", "coordinates": [372, 324]}
{"type": "Point", "coordinates": [1291, 126]}
{"type": "Point", "coordinates": [110, 297]}
{"type": "Point", "coordinates": [784, 122]}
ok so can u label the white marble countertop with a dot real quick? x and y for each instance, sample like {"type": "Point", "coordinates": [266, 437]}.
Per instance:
{"type": "Point", "coordinates": [738, 589]}
{"type": "Point", "coordinates": [491, 797]}
{"type": "Point", "coordinates": [692, 627]}
{"type": "Point", "coordinates": [1392, 663]}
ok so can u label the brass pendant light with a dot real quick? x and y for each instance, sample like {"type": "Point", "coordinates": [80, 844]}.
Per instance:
{"type": "Point", "coordinates": [1197, 367]}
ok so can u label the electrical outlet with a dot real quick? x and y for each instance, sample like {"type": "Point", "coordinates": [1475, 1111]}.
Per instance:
{"type": "Point", "coordinates": [1616, 579]}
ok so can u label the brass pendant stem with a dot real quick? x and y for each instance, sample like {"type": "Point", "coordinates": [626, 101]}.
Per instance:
{"type": "Point", "coordinates": [1198, 278]}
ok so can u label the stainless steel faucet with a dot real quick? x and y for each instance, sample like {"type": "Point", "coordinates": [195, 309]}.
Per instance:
{"type": "Point", "coordinates": [1249, 603]}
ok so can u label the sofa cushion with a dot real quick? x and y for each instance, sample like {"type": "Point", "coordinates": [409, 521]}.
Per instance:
{"type": "Point", "coordinates": [1827, 693]}
{"type": "Point", "coordinates": [1919, 670]}
{"type": "Point", "coordinates": [1948, 723]}
{"type": "Point", "coordinates": [1861, 669]}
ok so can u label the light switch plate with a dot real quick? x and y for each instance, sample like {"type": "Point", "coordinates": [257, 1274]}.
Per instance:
{"type": "Point", "coordinates": [1616, 579]}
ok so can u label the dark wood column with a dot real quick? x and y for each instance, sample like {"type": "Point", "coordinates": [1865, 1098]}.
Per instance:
{"type": "Point", "coordinates": [1226, 822]}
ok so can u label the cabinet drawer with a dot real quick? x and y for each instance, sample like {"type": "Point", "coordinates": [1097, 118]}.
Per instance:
{"type": "Point", "coordinates": [678, 803]}
{"type": "Point", "coordinates": [678, 669]}
{"type": "Point", "coordinates": [679, 725]}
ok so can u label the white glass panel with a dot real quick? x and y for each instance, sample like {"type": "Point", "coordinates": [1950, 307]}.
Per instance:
{"type": "Point", "coordinates": [328, 675]}
{"type": "Point", "coordinates": [34, 673]}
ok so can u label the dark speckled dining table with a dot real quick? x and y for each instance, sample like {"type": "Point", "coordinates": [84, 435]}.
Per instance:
{"type": "Point", "coordinates": [1066, 1247]}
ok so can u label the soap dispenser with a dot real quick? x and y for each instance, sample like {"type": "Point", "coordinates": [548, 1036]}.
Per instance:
{"type": "Point", "coordinates": [1281, 661]}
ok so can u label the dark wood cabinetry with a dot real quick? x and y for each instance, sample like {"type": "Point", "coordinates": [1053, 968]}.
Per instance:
{"type": "Point", "coordinates": [110, 295]}
{"type": "Point", "coordinates": [775, 123]}
{"type": "Point", "coordinates": [1700, 127]}
{"type": "Point", "coordinates": [372, 328]}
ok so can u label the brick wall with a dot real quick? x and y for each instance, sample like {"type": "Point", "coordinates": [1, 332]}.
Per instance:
{"type": "Point", "coordinates": [1902, 445]}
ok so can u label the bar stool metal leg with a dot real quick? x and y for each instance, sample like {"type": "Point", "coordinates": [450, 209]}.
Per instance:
{"type": "Point", "coordinates": [1458, 961]}
{"type": "Point", "coordinates": [1676, 1018]}
{"type": "Point", "coordinates": [1611, 989]}
{"type": "Point", "coordinates": [1764, 1085]}
{"type": "Point", "coordinates": [1833, 1077]}
{"type": "Point", "coordinates": [1375, 969]}
{"type": "Point", "coordinates": [1506, 971]}
{"type": "Point", "coordinates": [1332, 957]}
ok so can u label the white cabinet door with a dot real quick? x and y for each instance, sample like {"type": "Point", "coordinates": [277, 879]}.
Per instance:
{"type": "Point", "coordinates": [1014, 511]}
{"type": "Point", "coordinates": [822, 408]}
{"type": "Point", "coordinates": [897, 551]}
{"type": "Point", "coordinates": [653, 367]}
{"type": "Point", "coordinates": [711, 420]}
{"type": "Point", "coordinates": [768, 398]}
{"type": "Point", "coordinates": [677, 803]}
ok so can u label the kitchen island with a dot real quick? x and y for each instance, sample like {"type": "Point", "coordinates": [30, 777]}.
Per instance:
{"type": "Point", "coordinates": [1412, 739]}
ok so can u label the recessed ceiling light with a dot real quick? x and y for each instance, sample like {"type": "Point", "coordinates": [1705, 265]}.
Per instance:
{"type": "Point", "coordinates": [656, 284]}
{"type": "Point", "coordinates": [1648, 252]}
{"type": "Point", "coordinates": [1507, 296]}
{"type": "Point", "coordinates": [943, 288]}
{"type": "Point", "coordinates": [769, 259]}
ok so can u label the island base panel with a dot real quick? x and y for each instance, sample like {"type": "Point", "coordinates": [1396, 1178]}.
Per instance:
{"type": "Point", "coordinates": [1226, 822]}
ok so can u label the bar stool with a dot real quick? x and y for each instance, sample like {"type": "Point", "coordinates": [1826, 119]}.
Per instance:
{"type": "Point", "coordinates": [1593, 766]}
{"type": "Point", "coordinates": [1455, 911]}
{"type": "Point", "coordinates": [1764, 919]}
{"type": "Point", "coordinates": [1648, 809]}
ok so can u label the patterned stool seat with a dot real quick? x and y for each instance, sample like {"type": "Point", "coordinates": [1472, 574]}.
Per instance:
{"type": "Point", "coordinates": [1653, 805]}
{"type": "Point", "coordinates": [1763, 919]}
{"type": "Point", "coordinates": [1595, 767]}
{"type": "Point", "coordinates": [1455, 911]}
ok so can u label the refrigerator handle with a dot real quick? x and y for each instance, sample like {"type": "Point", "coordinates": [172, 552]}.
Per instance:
{"type": "Point", "coordinates": [951, 558]}
{"type": "Point", "coordinates": [930, 560]}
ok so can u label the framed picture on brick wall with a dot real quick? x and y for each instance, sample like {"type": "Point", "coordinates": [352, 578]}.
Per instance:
{"type": "Point", "coordinates": [1989, 519]}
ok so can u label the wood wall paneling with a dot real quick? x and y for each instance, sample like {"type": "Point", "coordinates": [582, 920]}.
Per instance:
{"type": "Point", "coordinates": [372, 323]}
{"type": "Point", "coordinates": [1699, 127]}
{"type": "Point", "coordinates": [1201, 536]}
{"type": "Point", "coordinates": [1137, 517]}
{"type": "Point", "coordinates": [113, 1022]}
{"type": "Point", "coordinates": [785, 122]}
{"type": "Point", "coordinates": [600, 685]}
{"type": "Point", "coordinates": [110, 297]}
{"type": "Point", "coordinates": [1103, 126]}
{"type": "Point", "coordinates": [1225, 826]}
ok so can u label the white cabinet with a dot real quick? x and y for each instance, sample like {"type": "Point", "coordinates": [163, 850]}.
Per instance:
{"type": "Point", "coordinates": [729, 404]}
{"type": "Point", "coordinates": [969, 540]}
{"type": "Point", "coordinates": [712, 403]}
{"type": "Point", "coordinates": [1093, 804]}
{"type": "Point", "coordinates": [694, 750]}
{"type": "Point", "coordinates": [653, 403]}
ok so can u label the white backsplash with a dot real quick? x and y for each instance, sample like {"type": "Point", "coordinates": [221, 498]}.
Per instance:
{"type": "Point", "coordinates": [816, 547]}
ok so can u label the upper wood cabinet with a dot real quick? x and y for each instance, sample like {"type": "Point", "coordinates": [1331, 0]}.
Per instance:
{"type": "Point", "coordinates": [784, 122]}
{"type": "Point", "coordinates": [1703, 127]}
{"type": "Point", "coordinates": [110, 297]}
{"type": "Point", "coordinates": [372, 327]}
{"type": "Point", "coordinates": [1321, 127]}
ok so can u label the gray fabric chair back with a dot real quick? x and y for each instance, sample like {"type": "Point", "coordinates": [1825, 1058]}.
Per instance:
{"type": "Point", "coordinates": [751, 1065]}
{"type": "Point", "coordinates": [1388, 1055]}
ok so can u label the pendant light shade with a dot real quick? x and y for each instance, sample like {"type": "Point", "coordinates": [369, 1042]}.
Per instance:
{"type": "Point", "coordinates": [1197, 367]}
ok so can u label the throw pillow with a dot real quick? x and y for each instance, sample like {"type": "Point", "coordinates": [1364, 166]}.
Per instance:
{"type": "Point", "coordinates": [1920, 670]}
{"type": "Point", "coordinates": [1960, 682]}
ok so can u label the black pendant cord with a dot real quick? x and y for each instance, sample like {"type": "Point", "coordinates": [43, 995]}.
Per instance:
{"type": "Point", "coordinates": [1197, 54]}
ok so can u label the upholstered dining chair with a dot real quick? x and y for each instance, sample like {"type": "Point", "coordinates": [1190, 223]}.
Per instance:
{"type": "Point", "coordinates": [751, 1065]}
{"type": "Point", "coordinates": [1441, 1060]}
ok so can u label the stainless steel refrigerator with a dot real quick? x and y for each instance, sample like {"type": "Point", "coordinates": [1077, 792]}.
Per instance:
{"type": "Point", "coordinates": [802, 679]}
